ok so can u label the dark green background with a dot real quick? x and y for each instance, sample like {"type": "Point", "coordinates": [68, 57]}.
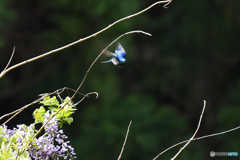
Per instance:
{"type": "Point", "coordinates": [193, 55]}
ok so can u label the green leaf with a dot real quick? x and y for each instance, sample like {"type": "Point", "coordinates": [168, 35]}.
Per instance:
{"type": "Point", "coordinates": [47, 101]}
{"type": "Point", "coordinates": [38, 115]}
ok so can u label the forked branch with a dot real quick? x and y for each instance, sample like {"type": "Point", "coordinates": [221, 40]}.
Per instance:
{"type": "Point", "coordinates": [82, 39]}
{"type": "Point", "coordinates": [190, 140]}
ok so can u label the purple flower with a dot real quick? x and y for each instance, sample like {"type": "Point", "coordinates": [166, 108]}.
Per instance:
{"type": "Point", "coordinates": [52, 144]}
{"type": "Point", "coordinates": [45, 145]}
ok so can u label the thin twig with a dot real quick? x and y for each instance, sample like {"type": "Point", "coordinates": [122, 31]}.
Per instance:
{"type": "Point", "coordinates": [216, 134]}
{"type": "Point", "coordinates": [82, 39]}
{"type": "Point", "coordinates": [120, 155]}
{"type": "Point", "coordinates": [61, 90]}
{"type": "Point", "coordinates": [165, 6]}
{"type": "Point", "coordinates": [86, 96]}
{"type": "Point", "coordinates": [9, 59]}
{"type": "Point", "coordinates": [199, 123]}
{"type": "Point", "coordinates": [16, 112]}
{"type": "Point", "coordinates": [9, 114]}
{"type": "Point", "coordinates": [4, 70]}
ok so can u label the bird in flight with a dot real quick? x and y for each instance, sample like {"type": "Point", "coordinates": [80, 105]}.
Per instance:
{"type": "Point", "coordinates": [118, 58]}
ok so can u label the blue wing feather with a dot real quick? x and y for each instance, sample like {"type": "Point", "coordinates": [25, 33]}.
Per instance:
{"type": "Point", "coordinates": [120, 51]}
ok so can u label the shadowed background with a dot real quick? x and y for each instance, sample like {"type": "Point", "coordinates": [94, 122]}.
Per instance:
{"type": "Point", "coordinates": [193, 54]}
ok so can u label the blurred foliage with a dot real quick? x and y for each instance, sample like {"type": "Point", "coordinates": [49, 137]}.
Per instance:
{"type": "Point", "coordinates": [193, 54]}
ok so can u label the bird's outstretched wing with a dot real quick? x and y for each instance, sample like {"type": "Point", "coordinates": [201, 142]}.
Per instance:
{"type": "Point", "coordinates": [109, 54]}
{"type": "Point", "coordinates": [120, 51]}
{"type": "Point", "coordinates": [114, 60]}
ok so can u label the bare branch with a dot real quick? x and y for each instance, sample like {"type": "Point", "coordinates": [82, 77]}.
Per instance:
{"type": "Point", "coordinates": [165, 6]}
{"type": "Point", "coordinates": [86, 95]}
{"type": "Point", "coordinates": [16, 112]}
{"type": "Point", "coordinates": [216, 134]}
{"type": "Point", "coordinates": [198, 138]}
{"type": "Point", "coordinates": [8, 62]}
{"type": "Point", "coordinates": [120, 155]}
{"type": "Point", "coordinates": [210, 135]}
{"type": "Point", "coordinates": [199, 123]}
{"type": "Point", "coordinates": [82, 39]}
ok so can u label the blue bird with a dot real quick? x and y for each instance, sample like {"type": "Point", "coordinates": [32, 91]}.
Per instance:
{"type": "Point", "coordinates": [118, 57]}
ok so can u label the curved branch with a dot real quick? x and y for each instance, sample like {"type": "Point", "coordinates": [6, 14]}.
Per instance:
{"type": "Point", "coordinates": [82, 39]}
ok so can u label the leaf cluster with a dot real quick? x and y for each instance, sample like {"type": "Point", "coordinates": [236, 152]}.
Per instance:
{"type": "Point", "coordinates": [64, 116]}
